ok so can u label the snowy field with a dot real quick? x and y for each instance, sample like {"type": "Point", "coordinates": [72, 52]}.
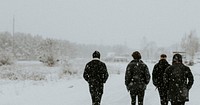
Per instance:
{"type": "Point", "coordinates": [74, 90]}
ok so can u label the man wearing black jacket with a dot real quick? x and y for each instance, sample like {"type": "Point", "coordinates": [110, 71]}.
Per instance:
{"type": "Point", "coordinates": [157, 76]}
{"type": "Point", "coordinates": [96, 75]}
{"type": "Point", "coordinates": [136, 78]}
{"type": "Point", "coordinates": [178, 80]}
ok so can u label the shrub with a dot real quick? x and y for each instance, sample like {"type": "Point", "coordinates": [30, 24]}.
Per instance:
{"type": "Point", "coordinates": [6, 58]}
{"type": "Point", "coordinates": [67, 69]}
{"type": "Point", "coordinates": [49, 60]}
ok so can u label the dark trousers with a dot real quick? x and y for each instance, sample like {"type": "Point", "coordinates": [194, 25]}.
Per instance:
{"type": "Point", "coordinates": [177, 103]}
{"type": "Point", "coordinates": [139, 95]}
{"type": "Point", "coordinates": [163, 96]}
{"type": "Point", "coordinates": [96, 92]}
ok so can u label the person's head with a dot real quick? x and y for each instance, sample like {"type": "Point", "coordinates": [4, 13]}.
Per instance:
{"type": "Point", "coordinates": [163, 56]}
{"type": "Point", "coordinates": [96, 54]}
{"type": "Point", "coordinates": [136, 55]}
{"type": "Point", "coordinates": [177, 58]}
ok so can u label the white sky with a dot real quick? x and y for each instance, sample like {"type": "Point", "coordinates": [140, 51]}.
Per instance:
{"type": "Point", "coordinates": [104, 22]}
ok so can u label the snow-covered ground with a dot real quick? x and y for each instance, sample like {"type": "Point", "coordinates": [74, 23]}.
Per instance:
{"type": "Point", "coordinates": [74, 90]}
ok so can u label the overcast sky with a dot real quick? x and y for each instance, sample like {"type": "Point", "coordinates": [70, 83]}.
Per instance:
{"type": "Point", "coordinates": [105, 22]}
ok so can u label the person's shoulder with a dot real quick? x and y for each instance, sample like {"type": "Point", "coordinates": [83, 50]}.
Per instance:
{"type": "Point", "coordinates": [98, 61]}
{"type": "Point", "coordinates": [131, 62]}
{"type": "Point", "coordinates": [157, 64]}
{"type": "Point", "coordinates": [143, 64]}
{"type": "Point", "coordinates": [90, 62]}
{"type": "Point", "coordinates": [163, 62]}
{"type": "Point", "coordinates": [167, 63]}
{"type": "Point", "coordinates": [186, 67]}
{"type": "Point", "coordinates": [102, 62]}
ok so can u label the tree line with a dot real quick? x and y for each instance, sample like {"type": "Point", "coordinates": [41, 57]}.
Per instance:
{"type": "Point", "coordinates": [24, 46]}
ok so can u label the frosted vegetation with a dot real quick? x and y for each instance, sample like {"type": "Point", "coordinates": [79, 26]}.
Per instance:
{"type": "Point", "coordinates": [29, 47]}
{"type": "Point", "coordinates": [70, 58]}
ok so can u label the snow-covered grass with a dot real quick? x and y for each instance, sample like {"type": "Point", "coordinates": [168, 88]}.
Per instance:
{"type": "Point", "coordinates": [32, 70]}
{"type": "Point", "coordinates": [74, 90]}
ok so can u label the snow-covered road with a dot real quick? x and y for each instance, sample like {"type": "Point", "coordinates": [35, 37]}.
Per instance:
{"type": "Point", "coordinates": [75, 92]}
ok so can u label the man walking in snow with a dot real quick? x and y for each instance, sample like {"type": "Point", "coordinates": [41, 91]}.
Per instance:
{"type": "Point", "coordinates": [157, 76]}
{"type": "Point", "coordinates": [136, 78]}
{"type": "Point", "coordinates": [96, 75]}
{"type": "Point", "coordinates": [178, 80]}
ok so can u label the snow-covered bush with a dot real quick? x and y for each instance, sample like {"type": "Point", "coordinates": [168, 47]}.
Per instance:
{"type": "Point", "coordinates": [6, 58]}
{"type": "Point", "coordinates": [33, 76]}
{"type": "Point", "coordinates": [48, 60]}
{"type": "Point", "coordinates": [14, 73]}
{"type": "Point", "coordinates": [49, 52]}
{"type": "Point", "coordinates": [67, 69]}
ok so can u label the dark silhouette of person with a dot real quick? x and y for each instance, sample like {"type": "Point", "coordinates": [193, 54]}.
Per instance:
{"type": "Point", "coordinates": [178, 80]}
{"type": "Point", "coordinates": [136, 78]}
{"type": "Point", "coordinates": [157, 77]}
{"type": "Point", "coordinates": [96, 75]}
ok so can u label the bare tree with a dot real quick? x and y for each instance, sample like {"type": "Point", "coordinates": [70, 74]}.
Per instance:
{"type": "Point", "coordinates": [190, 43]}
{"type": "Point", "coordinates": [148, 49]}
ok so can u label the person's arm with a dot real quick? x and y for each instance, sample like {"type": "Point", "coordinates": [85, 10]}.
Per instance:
{"type": "Point", "coordinates": [166, 77]}
{"type": "Point", "coordinates": [85, 74]}
{"type": "Point", "coordinates": [190, 78]}
{"type": "Point", "coordinates": [128, 76]}
{"type": "Point", "coordinates": [105, 73]}
{"type": "Point", "coordinates": [147, 75]}
{"type": "Point", "coordinates": [155, 76]}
